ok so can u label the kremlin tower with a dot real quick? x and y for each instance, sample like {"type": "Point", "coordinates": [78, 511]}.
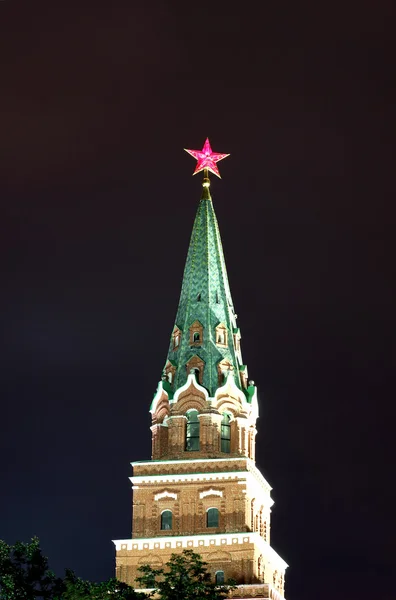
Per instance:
{"type": "Point", "coordinates": [201, 490]}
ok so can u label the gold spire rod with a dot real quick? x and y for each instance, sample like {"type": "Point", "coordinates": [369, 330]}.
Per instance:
{"type": "Point", "coordinates": [206, 180]}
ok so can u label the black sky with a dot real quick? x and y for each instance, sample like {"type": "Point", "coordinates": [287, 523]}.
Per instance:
{"type": "Point", "coordinates": [97, 102]}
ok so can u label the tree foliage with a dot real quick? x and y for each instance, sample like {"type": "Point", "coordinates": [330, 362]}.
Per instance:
{"type": "Point", "coordinates": [78, 589]}
{"type": "Point", "coordinates": [24, 575]}
{"type": "Point", "coordinates": [184, 577]}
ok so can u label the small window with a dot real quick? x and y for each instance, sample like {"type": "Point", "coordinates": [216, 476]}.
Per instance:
{"type": "Point", "coordinates": [176, 338]}
{"type": "Point", "coordinates": [196, 333]}
{"type": "Point", "coordinates": [219, 577]}
{"type": "Point", "coordinates": [212, 517]}
{"type": "Point", "coordinates": [221, 335]}
{"type": "Point", "coordinates": [192, 431]}
{"type": "Point", "coordinates": [226, 433]}
{"type": "Point", "coordinates": [199, 298]}
{"type": "Point", "coordinates": [166, 520]}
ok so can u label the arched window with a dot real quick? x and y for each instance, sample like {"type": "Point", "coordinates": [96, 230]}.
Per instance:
{"type": "Point", "coordinates": [196, 333]}
{"type": "Point", "coordinates": [212, 517]}
{"type": "Point", "coordinates": [176, 335]}
{"type": "Point", "coordinates": [221, 335]}
{"type": "Point", "coordinates": [225, 433]}
{"type": "Point", "coordinates": [192, 431]}
{"type": "Point", "coordinates": [219, 577]}
{"type": "Point", "coordinates": [166, 519]}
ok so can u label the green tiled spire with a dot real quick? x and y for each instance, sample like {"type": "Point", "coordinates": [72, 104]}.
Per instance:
{"type": "Point", "coordinates": [206, 303]}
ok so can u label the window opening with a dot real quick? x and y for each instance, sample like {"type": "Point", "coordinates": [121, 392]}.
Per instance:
{"type": "Point", "coordinates": [166, 520]}
{"type": "Point", "coordinates": [219, 577]}
{"type": "Point", "coordinates": [226, 433]}
{"type": "Point", "coordinates": [196, 336]}
{"type": "Point", "coordinates": [192, 431]}
{"type": "Point", "coordinates": [212, 517]}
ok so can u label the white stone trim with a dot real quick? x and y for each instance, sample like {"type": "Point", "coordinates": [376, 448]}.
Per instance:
{"type": "Point", "coordinates": [251, 467]}
{"type": "Point", "coordinates": [231, 385]}
{"type": "Point", "coordinates": [165, 495]}
{"type": "Point", "coordinates": [191, 380]}
{"type": "Point", "coordinates": [211, 492]}
{"type": "Point", "coordinates": [157, 396]}
{"type": "Point", "coordinates": [185, 477]}
{"type": "Point", "coordinates": [188, 460]}
{"type": "Point", "coordinates": [261, 495]}
{"type": "Point", "coordinates": [217, 539]}
{"type": "Point", "coordinates": [249, 478]}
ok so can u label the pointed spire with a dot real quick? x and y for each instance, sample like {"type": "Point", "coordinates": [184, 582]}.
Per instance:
{"type": "Point", "coordinates": [205, 335]}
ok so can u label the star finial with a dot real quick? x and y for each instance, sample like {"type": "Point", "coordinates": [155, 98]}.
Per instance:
{"type": "Point", "coordinates": [207, 159]}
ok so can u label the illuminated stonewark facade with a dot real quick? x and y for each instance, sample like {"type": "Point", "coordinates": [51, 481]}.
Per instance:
{"type": "Point", "coordinates": [201, 490]}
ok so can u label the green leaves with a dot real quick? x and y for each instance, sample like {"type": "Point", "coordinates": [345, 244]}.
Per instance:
{"type": "Point", "coordinates": [185, 576]}
{"type": "Point", "coordinates": [78, 589]}
{"type": "Point", "coordinates": [24, 575]}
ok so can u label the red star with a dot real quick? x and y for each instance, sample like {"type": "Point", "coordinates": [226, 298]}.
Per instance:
{"type": "Point", "coordinates": [207, 159]}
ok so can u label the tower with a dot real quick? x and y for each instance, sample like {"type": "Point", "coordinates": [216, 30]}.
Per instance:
{"type": "Point", "coordinates": [202, 490]}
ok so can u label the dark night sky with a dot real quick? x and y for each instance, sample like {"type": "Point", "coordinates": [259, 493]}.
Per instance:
{"type": "Point", "coordinates": [97, 204]}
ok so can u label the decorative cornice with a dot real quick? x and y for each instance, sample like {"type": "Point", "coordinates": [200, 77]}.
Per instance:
{"type": "Point", "coordinates": [209, 540]}
{"type": "Point", "coordinates": [211, 492]}
{"type": "Point", "coordinates": [157, 396]}
{"type": "Point", "coordinates": [165, 494]}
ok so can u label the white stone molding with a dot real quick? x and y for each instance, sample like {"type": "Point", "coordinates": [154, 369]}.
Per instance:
{"type": "Point", "coordinates": [189, 460]}
{"type": "Point", "coordinates": [188, 477]}
{"type": "Point", "coordinates": [191, 380]}
{"type": "Point", "coordinates": [271, 557]}
{"type": "Point", "coordinates": [157, 397]}
{"type": "Point", "coordinates": [165, 494]}
{"type": "Point", "coordinates": [211, 492]}
{"type": "Point", "coordinates": [233, 390]}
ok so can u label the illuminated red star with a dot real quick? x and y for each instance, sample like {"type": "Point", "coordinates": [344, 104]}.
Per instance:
{"type": "Point", "coordinates": [207, 159]}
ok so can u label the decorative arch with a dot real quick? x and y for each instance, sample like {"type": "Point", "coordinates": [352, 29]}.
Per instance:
{"type": "Point", "coordinates": [170, 371]}
{"type": "Point", "coordinates": [196, 365]}
{"type": "Point", "coordinates": [152, 559]}
{"type": "Point", "coordinates": [221, 336]}
{"type": "Point", "coordinates": [176, 338]}
{"type": "Point", "coordinates": [192, 395]}
{"type": "Point", "coordinates": [223, 369]}
{"type": "Point", "coordinates": [161, 410]}
{"type": "Point", "coordinates": [219, 556]}
{"type": "Point", "coordinates": [196, 334]}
